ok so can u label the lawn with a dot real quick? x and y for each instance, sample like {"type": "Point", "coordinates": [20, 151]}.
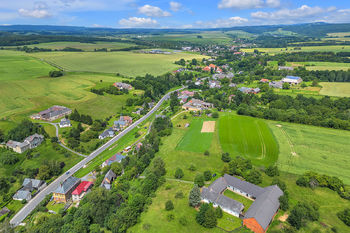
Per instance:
{"type": "Point", "coordinates": [331, 48]}
{"type": "Point", "coordinates": [19, 66]}
{"type": "Point", "coordinates": [309, 148]}
{"type": "Point", "coordinates": [248, 137]}
{"type": "Point", "coordinates": [155, 218]}
{"type": "Point", "coordinates": [245, 201]}
{"type": "Point", "coordinates": [52, 205]}
{"type": "Point", "coordinates": [335, 89]}
{"type": "Point", "coordinates": [126, 63]}
{"type": "Point", "coordinates": [194, 140]}
{"type": "Point", "coordinates": [83, 46]}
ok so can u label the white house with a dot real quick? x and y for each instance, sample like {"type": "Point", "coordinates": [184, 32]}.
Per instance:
{"type": "Point", "coordinates": [64, 123]}
{"type": "Point", "coordinates": [293, 80]}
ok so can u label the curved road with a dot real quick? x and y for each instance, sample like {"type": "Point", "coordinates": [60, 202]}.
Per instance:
{"type": "Point", "coordinates": [30, 206]}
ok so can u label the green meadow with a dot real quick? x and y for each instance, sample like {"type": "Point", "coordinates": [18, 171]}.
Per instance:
{"type": "Point", "coordinates": [125, 63]}
{"type": "Point", "coordinates": [330, 48]}
{"type": "Point", "coordinates": [309, 148]}
{"type": "Point", "coordinates": [335, 89]}
{"type": "Point", "coordinates": [248, 137]}
{"type": "Point", "coordinates": [194, 140]}
{"type": "Point", "coordinates": [321, 65]}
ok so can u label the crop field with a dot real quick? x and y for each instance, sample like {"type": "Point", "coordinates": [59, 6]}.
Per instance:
{"type": "Point", "coordinates": [125, 63]}
{"type": "Point", "coordinates": [335, 89]}
{"type": "Point", "coordinates": [330, 48]}
{"type": "Point", "coordinates": [83, 46]}
{"type": "Point", "coordinates": [248, 137]}
{"type": "Point", "coordinates": [18, 66]}
{"type": "Point", "coordinates": [321, 65]}
{"type": "Point", "coordinates": [195, 140]}
{"type": "Point", "coordinates": [309, 148]}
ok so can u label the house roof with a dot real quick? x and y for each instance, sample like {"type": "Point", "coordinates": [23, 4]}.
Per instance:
{"type": "Point", "coordinates": [14, 144]}
{"type": "Point", "coordinates": [115, 158]}
{"type": "Point", "coordinates": [293, 77]}
{"type": "Point", "coordinates": [32, 183]}
{"type": "Point", "coordinates": [67, 185]}
{"type": "Point", "coordinates": [265, 206]}
{"type": "Point", "coordinates": [110, 175]}
{"type": "Point", "coordinates": [228, 203]}
{"type": "Point", "coordinates": [82, 187]}
{"type": "Point", "coordinates": [244, 186]}
{"type": "Point", "coordinates": [22, 194]}
{"type": "Point", "coordinates": [32, 137]}
{"type": "Point", "coordinates": [218, 186]}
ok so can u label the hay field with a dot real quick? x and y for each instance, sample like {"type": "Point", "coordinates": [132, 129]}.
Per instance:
{"type": "Point", "coordinates": [331, 48]}
{"type": "Point", "coordinates": [248, 137]}
{"type": "Point", "coordinates": [125, 63]}
{"type": "Point", "coordinates": [309, 148]}
{"type": "Point", "coordinates": [335, 89]}
{"type": "Point", "coordinates": [321, 65]}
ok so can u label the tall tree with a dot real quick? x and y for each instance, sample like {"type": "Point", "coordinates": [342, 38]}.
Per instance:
{"type": "Point", "coordinates": [195, 196]}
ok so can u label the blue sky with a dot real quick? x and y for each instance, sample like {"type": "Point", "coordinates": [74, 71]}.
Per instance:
{"type": "Point", "coordinates": [172, 14]}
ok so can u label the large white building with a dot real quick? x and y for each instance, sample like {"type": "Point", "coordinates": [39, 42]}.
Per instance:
{"type": "Point", "coordinates": [293, 80]}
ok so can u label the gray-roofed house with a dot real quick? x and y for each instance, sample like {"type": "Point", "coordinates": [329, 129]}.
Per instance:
{"type": "Point", "coordinates": [109, 178]}
{"type": "Point", "coordinates": [64, 123]}
{"type": "Point", "coordinates": [107, 133]}
{"type": "Point", "coordinates": [260, 214]}
{"type": "Point", "coordinates": [31, 184]}
{"type": "Point", "coordinates": [64, 190]}
{"type": "Point", "coordinates": [276, 84]}
{"type": "Point", "coordinates": [22, 195]}
{"type": "Point", "coordinates": [52, 113]}
{"type": "Point", "coordinates": [30, 142]}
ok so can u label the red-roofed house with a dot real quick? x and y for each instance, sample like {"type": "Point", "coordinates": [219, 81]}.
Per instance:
{"type": "Point", "coordinates": [81, 190]}
{"type": "Point", "coordinates": [212, 66]}
{"type": "Point", "coordinates": [207, 68]}
{"type": "Point", "coordinates": [264, 80]}
{"type": "Point", "coordinates": [189, 93]}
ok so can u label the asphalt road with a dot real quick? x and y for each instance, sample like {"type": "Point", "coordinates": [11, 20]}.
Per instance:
{"type": "Point", "coordinates": [30, 206]}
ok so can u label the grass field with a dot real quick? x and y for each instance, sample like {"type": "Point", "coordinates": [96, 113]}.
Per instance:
{"type": "Point", "coordinates": [308, 148]}
{"type": "Point", "coordinates": [248, 137]}
{"type": "Point", "coordinates": [194, 140]}
{"type": "Point", "coordinates": [125, 63]}
{"type": "Point", "coordinates": [18, 66]}
{"type": "Point", "coordinates": [245, 201]}
{"type": "Point", "coordinates": [335, 89]}
{"type": "Point", "coordinates": [331, 48]}
{"type": "Point", "coordinates": [83, 46]}
{"type": "Point", "coordinates": [321, 65]}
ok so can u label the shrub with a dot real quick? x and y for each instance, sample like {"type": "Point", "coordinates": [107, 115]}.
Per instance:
{"type": "Point", "coordinates": [218, 212]}
{"type": "Point", "coordinates": [183, 221]}
{"type": "Point", "coordinates": [215, 115]}
{"type": "Point", "coordinates": [199, 180]}
{"type": "Point", "coordinates": [254, 177]}
{"type": "Point", "coordinates": [170, 217]}
{"type": "Point", "coordinates": [179, 195]}
{"type": "Point", "coordinates": [206, 216]}
{"type": "Point", "coordinates": [146, 226]}
{"type": "Point", "coordinates": [206, 153]}
{"type": "Point", "coordinates": [284, 202]}
{"type": "Point", "coordinates": [345, 216]}
{"type": "Point", "coordinates": [302, 181]}
{"type": "Point", "coordinates": [169, 205]}
{"type": "Point", "coordinates": [194, 198]}
{"type": "Point", "coordinates": [302, 213]}
{"type": "Point", "coordinates": [272, 171]}
{"type": "Point", "coordinates": [179, 173]}
{"type": "Point", "coordinates": [192, 168]}
{"type": "Point", "coordinates": [207, 175]}
{"type": "Point", "coordinates": [225, 157]}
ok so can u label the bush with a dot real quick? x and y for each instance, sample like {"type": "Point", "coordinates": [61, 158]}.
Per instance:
{"type": "Point", "coordinates": [206, 153]}
{"type": "Point", "coordinates": [302, 213]}
{"type": "Point", "coordinates": [170, 217]}
{"type": "Point", "coordinates": [146, 226]}
{"type": "Point", "coordinates": [284, 202]}
{"type": "Point", "coordinates": [225, 157]}
{"type": "Point", "coordinates": [179, 195]}
{"type": "Point", "coordinates": [169, 205]}
{"type": "Point", "coordinates": [183, 221]}
{"type": "Point", "coordinates": [272, 171]}
{"type": "Point", "coordinates": [179, 173]}
{"type": "Point", "coordinates": [55, 73]}
{"type": "Point", "coordinates": [345, 216]}
{"type": "Point", "coordinates": [192, 168]}
{"type": "Point", "coordinates": [199, 180]}
{"type": "Point", "coordinates": [194, 198]}
{"type": "Point", "coordinates": [218, 212]}
{"type": "Point", "coordinates": [206, 216]}
{"type": "Point", "coordinates": [254, 177]}
{"type": "Point", "coordinates": [302, 181]}
{"type": "Point", "coordinates": [207, 175]}
{"type": "Point", "coordinates": [215, 115]}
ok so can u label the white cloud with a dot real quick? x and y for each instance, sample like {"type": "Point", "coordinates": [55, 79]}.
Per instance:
{"type": "Point", "coordinates": [175, 6]}
{"type": "Point", "coordinates": [36, 13]}
{"type": "Point", "coordinates": [302, 14]}
{"type": "Point", "coordinates": [248, 4]}
{"type": "Point", "coordinates": [223, 23]}
{"type": "Point", "coordinates": [153, 11]}
{"type": "Point", "coordinates": [137, 22]}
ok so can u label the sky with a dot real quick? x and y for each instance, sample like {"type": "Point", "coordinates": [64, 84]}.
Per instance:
{"type": "Point", "coordinates": [172, 14]}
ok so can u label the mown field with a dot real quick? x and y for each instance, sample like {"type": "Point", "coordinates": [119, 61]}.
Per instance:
{"type": "Point", "coordinates": [308, 148]}
{"type": "Point", "coordinates": [126, 63]}
{"type": "Point", "coordinates": [248, 137]}
{"type": "Point", "coordinates": [335, 89]}
{"type": "Point", "coordinates": [321, 65]}
{"type": "Point", "coordinates": [331, 48]}
{"type": "Point", "coordinates": [78, 45]}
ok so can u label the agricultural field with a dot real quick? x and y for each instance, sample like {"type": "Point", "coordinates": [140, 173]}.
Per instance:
{"type": "Point", "coordinates": [248, 137]}
{"type": "Point", "coordinates": [321, 65]}
{"type": "Point", "coordinates": [308, 148]}
{"type": "Point", "coordinates": [18, 66]}
{"type": "Point", "coordinates": [330, 48]}
{"type": "Point", "coordinates": [84, 46]}
{"type": "Point", "coordinates": [126, 63]}
{"type": "Point", "coordinates": [335, 89]}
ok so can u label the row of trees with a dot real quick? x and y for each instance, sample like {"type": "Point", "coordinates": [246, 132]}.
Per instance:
{"type": "Point", "coordinates": [23, 130]}
{"type": "Point", "coordinates": [76, 116]}
{"type": "Point", "coordinates": [110, 90]}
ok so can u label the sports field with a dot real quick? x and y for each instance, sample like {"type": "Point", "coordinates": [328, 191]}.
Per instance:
{"type": "Point", "coordinates": [125, 63]}
{"type": "Point", "coordinates": [249, 137]}
{"type": "Point", "coordinates": [83, 46]}
{"type": "Point", "coordinates": [19, 66]}
{"type": "Point", "coordinates": [331, 48]}
{"type": "Point", "coordinates": [195, 140]}
{"type": "Point", "coordinates": [335, 89]}
{"type": "Point", "coordinates": [309, 148]}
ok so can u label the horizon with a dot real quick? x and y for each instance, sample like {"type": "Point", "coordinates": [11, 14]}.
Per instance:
{"type": "Point", "coordinates": [177, 14]}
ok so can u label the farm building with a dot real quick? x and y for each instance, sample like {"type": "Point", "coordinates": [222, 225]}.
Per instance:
{"type": "Point", "coordinates": [30, 142]}
{"type": "Point", "coordinates": [292, 80]}
{"type": "Point", "coordinates": [122, 86]}
{"type": "Point", "coordinates": [64, 190]}
{"type": "Point", "coordinates": [285, 68]}
{"type": "Point", "coordinates": [52, 113]}
{"type": "Point", "coordinates": [81, 190]}
{"type": "Point", "coordinates": [260, 214]}
{"type": "Point", "coordinates": [196, 105]}
{"type": "Point", "coordinates": [276, 84]}
{"type": "Point", "coordinates": [64, 123]}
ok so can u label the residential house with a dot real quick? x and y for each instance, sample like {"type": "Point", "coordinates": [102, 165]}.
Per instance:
{"type": "Point", "coordinates": [138, 111]}
{"type": "Point", "coordinates": [214, 84]}
{"type": "Point", "coordinates": [52, 113]}
{"type": "Point", "coordinates": [64, 123]}
{"type": "Point", "coordinates": [264, 80]}
{"type": "Point", "coordinates": [108, 179]}
{"type": "Point", "coordinates": [122, 123]}
{"type": "Point", "coordinates": [4, 211]}
{"type": "Point", "coordinates": [188, 93]}
{"type": "Point", "coordinates": [117, 158]}
{"type": "Point", "coordinates": [285, 68]}
{"type": "Point", "coordinates": [196, 105]}
{"type": "Point", "coordinates": [248, 90]}
{"type": "Point", "coordinates": [293, 80]}
{"type": "Point", "coordinates": [64, 190]}
{"type": "Point", "coordinates": [276, 84]}
{"type": "Point", "coordinates": [107, 133]}
{"type": "Point", "coordinates": [138, 146]}
{"type": "Point", "coordinates": [183, 98]}
{"type": "Point", "coordinates": [21, 195]}
{"type": "Point", "coordinates": [80, 191]}
{"type": "Point", "coordinates": [122, 86]}
{"type": "Point", "coordinates": [232, 85]}
{"type": "Point", "coordinates": [28, 186]}
{"type": "Point", "coordinates": [90, 177]}
{"type": "Point", "coordinates": [259, 215]}
{"type": "Point", "coordinates": [30, 142]}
